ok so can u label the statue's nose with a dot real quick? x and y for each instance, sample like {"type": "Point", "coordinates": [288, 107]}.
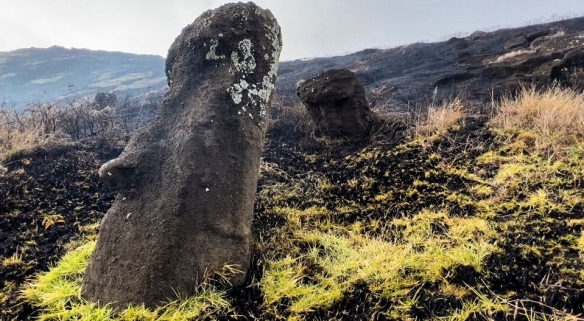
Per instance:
{"type": "Point", "coordinates": [119, 173]}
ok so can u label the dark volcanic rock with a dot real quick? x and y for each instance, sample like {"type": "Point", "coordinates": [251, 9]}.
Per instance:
{"type": "Point", "coordinates": [516, 42]}
{"type": "Point", "coordinates": [337, 103]}
{"type": "Point", "coordinates": [187, 182]}
{"type": "Point", "coordinates": [458, 43]}
{"type": "Point", "coordinates": [531, 36]}
{"type": "Point", "coordinates": [550, 61]}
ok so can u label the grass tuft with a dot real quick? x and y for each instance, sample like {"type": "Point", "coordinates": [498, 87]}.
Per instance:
{"type": "Point", "coordinates": [547, 122]}
{"type": "Point", "coordinates": [440, 119]}
{"type": "Point", "coordinates": [391, 269]}
{"type": "Point", "coordinates": [58, 293]}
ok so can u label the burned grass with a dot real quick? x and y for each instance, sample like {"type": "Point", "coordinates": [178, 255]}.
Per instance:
{"type": "Point", "coordinates": [49, 197]}
{"type": "Point", "coordinates": [470, 223]}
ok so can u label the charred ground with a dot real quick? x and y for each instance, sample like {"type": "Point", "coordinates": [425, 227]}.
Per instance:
{"type": "Point", "coordinates": [50, 196]}
{"type": "Point", "coordinates": [394, 188]}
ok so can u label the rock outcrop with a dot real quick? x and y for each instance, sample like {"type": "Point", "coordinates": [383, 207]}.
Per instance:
{"type": "Point", "coordinates": [187, 182]}
{"type": "Point", "coordinates": [337, 104]}
{"type": "Point", "coordinates": [548, 59]}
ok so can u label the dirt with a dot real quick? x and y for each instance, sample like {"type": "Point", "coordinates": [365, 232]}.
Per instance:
{"type": "Point", "coordinates": [391, 166]}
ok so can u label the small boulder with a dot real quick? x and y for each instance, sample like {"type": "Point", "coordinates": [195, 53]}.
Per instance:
{"type": "Point", "coordinates": [537, 34]}
{"type": "Point", "coordinates": [477, 35]}
{"type": "Point", "coordinates": [337, 103]}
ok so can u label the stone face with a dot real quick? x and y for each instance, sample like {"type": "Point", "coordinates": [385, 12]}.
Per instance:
{"type": "Point", "coordinates": [337, 103]}
{"type": "Point", "coordinates": [187, 182]}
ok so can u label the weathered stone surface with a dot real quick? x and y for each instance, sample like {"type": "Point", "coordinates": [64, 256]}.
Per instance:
{"type": "Point", "coordinates": [457, 43]}
{"type": "Point", "coordinates": [531, 36]}
{"type": "Point", "coordinates": [187, 182]}
{"type": "Point", "coordinates": [337, 103]}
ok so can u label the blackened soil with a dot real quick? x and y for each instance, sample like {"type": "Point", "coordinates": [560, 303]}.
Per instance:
{"type": "Point", "coordinates": [359, 171]}
{"type": "Point", "coordinates": [63, 181]}
{"type": "Point", "coordinates": [46, 196]}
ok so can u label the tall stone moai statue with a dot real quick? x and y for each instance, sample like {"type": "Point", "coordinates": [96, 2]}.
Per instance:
{"type": "Point", "coordinates": [187, 182]}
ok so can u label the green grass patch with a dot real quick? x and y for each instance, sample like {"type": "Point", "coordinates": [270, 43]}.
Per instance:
{"type": "Point", "coordinates": [58, 294]}
{"type": "Point", "coordinates": [319, 275]}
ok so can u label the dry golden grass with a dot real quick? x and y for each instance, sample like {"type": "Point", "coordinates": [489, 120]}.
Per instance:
{"type": "Point", "coordinates": [289, 118]}
{"type": "Point", "coordinates": [513, 54]}
{"type": "Point", "coordinates": [15, 259]}
{"type": "Point", "coordinates": [439, 119]}
{"type": "Point", "coordinates": [12, 139]}
{"type": "Point", "coordinates": [548, 121]}
{"type": "Point", "coordinates": [22, 132]}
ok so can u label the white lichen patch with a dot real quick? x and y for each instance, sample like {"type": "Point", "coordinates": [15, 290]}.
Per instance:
{"type": "Point", "coordinates": [254, 97]}
{"type": "Point", "coordinates": [246, 63]}
{"type": "Point", "coordinates": [212, 53]}
{"type": "Point", "coordinates": [235, 92]}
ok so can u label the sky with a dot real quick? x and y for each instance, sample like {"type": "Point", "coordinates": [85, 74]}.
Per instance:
{"type": "Point", "coordinates": [310, 28]}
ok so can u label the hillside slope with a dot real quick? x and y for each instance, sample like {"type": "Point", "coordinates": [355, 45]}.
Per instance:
{"type": "Point", "coordinates": [475, 218]}
{"type": "Point", "coordinates": [472, 66]}
{"type": "Point", "coordinates": [54, 73]}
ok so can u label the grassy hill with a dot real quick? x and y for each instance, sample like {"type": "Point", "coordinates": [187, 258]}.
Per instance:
{"type": "Point", "coordinates": [55, 73]}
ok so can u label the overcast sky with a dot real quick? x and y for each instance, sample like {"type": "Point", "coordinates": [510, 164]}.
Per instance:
{"type": "Point", "coordinates": [310, 28]}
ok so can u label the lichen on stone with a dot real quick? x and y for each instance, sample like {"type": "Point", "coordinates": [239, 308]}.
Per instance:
{"type": "Point", "coordinates": [212, 54]}
{"type": "Point", "coordinates": [258, 94]}
{"type": "Point", "coordinates": [207, 17]}
{"type": "Point", "coordinates": [246, 63]}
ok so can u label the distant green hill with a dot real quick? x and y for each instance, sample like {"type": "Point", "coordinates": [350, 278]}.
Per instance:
{"type": "Point", "coordinates": [35, 74]}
